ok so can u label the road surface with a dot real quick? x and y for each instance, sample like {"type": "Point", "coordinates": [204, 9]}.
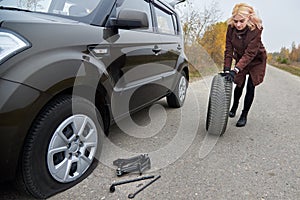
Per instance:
{"type": "Point", "coordinates": [259, 161]}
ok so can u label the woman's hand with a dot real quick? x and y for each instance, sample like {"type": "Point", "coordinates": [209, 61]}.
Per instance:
{"type": "Point", "coordinates": [230, 76]}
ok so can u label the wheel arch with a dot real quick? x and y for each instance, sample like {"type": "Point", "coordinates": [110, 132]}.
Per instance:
{"type": "Point", "coordinates": [100, 100]}
{"type": "Point", "coordinates": [72, 86]}
{"type": "Point", "coordinates": [182, 65]}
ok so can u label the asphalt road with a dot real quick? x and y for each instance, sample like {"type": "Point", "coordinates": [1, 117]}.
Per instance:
{"type": "Point", "coordinates": [259, 161]}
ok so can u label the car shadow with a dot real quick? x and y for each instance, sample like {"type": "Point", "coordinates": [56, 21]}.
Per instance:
{"type": "Point", "coordinates": [140, 136]}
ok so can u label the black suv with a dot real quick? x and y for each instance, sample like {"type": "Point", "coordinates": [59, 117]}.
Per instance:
{"type": "Point", "coordinates": [69, 69]}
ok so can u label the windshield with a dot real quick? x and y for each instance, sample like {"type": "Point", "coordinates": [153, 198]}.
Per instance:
{"type": "Point", "coordinates": [77, 8]}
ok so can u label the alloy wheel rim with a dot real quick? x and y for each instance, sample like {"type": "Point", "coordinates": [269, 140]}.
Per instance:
{"type": "Point", "coordinates": [182, 89]}
{"type": "Point", "coordinates": [72, 148]}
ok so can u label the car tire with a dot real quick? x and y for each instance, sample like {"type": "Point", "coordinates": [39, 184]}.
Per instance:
{"type": "Point", "coordinates": [177, 97]}
{"type": "Point", "coordinates": [62, 148]}
{"type": "Point", "coordinates": [218, 105]}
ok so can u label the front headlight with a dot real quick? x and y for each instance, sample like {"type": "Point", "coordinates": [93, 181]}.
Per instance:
{"type": "Point", "coordinates": [11, 44]}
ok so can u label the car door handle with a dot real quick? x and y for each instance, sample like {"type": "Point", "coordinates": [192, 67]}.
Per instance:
{"type": "Point", "coordinates": [156, 49]}
{"type": "Point", "coordinates": [179, 47]}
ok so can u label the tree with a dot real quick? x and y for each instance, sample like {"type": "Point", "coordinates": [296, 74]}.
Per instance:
{"type": "Point", "coordinates": [29, 4]}
{"type": "Point", "coordinates": [295, 53]}
{"type": "Point", "coordinates": [213, 41]}
{"type": "Point", "coordinates": [283, 56]}
{"type": "Point", "coordinates": [196, 22]}
{"type": "Point", "coordinates": [298, 53]}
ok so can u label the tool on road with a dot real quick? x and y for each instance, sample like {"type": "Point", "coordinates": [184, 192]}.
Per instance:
{"type": "Point", "coordinates": [135, 164]}
{"type": "Point", "coordinates": [132, 195]}
{"type": "Point", "coordinates": [112, 187]}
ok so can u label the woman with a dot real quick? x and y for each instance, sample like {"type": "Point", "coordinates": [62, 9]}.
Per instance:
{"type": "Point", "coordinates": [244, 45]}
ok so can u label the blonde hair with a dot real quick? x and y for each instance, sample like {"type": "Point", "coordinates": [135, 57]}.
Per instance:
{"type": "Point", "coordinates": [245, 10]}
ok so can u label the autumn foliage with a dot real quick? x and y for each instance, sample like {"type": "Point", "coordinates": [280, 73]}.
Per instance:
{"type": "Point", "coordinates": [213, 41]}
{"type": "Point", "coordinates": [286, 55]}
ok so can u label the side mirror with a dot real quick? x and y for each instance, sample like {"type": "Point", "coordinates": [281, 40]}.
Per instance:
{"type": "Point", "coordinates": [131, 19]}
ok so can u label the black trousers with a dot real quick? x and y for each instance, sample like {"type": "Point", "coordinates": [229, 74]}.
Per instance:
{"type": "Point", "coordinates": [248, 98]}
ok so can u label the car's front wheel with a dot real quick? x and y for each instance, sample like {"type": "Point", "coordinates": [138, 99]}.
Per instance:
{"type": "Point", "coordinates": [62, 147]}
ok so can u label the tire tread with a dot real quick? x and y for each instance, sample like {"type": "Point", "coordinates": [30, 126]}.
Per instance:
{"type": "Point", "coordinates": [218, 105]}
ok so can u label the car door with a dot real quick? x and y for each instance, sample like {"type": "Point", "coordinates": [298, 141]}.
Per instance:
{"type": "Point", "coordinates": [168, 29]}
{"type": "Point", "coordinates": [135, 67]}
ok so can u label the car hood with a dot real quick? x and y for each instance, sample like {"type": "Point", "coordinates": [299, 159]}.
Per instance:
{"type": "Point", "coordinates": [32, 17]}
{"type": "Point", "coordinates": [40, 28]}
{"type": "Point", "coordinates": [47, 33]}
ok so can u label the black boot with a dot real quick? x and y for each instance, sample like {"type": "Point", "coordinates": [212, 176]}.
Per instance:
{"type": "Point", "coordinates": [232, 111]}
{"type": "Point", "coordinates": [243, 119]}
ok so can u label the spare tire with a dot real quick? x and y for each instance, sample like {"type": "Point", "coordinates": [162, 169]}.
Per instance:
{"type": "Point", "coordinates": [218, 105]}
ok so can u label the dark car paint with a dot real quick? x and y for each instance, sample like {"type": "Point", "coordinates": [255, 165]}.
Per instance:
{"type": "Point", "coordinates": [27, 84]}
{"type": "Point", "coordinates": [18, 104]}
{"type": "Point", "coordinates": [62, 55]}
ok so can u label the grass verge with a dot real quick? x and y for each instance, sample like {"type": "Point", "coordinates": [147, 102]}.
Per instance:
{"type": "Point", "coordinates": [291, 68]}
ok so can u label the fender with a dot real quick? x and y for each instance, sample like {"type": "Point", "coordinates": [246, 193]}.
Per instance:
{"type": "Point", "coordinates": [40, 73]}
{"type": "Point", "coordinates": [41, 84]}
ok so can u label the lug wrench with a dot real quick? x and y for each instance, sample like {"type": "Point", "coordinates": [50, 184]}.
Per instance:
{"type": "Point", "coordinates": [112, 187]}
{"type": "Point", "coordinates": [132, 195]}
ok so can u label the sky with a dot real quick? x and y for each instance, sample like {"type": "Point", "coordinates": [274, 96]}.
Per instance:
{"type": "Point", "coordinates": [280, 19]}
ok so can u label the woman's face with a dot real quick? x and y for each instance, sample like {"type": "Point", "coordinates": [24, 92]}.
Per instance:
{"type": "Point", "coordinates": [240, 22]}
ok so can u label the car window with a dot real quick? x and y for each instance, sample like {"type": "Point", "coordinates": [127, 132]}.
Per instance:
{"type": "Point", "coordinates": [141, 5]}
{"type": "Point", "coordinates": [165, 20]}
{"type": "Point", "coordinates": [76, 8]}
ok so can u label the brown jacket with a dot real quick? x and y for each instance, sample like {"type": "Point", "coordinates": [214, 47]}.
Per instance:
{"type": "Point", "coordinates": [249, 53]}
